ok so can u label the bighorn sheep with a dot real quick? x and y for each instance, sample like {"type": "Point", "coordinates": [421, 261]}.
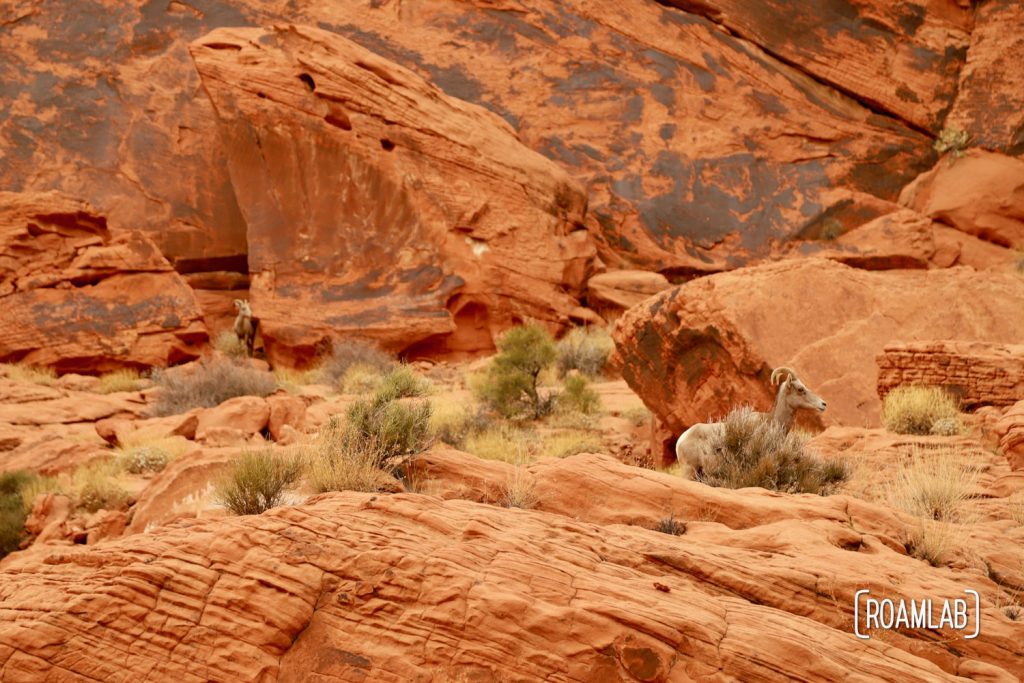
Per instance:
{"type": "Point", "coordinates": [245, 326]}
{"type": "Point", "coordinates": [693, 445]}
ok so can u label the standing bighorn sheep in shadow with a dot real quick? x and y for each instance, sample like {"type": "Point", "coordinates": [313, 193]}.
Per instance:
{"type": "Point", "coordinates": [245, 326]}
{"type": "Point", "coordinates": [693, 445]}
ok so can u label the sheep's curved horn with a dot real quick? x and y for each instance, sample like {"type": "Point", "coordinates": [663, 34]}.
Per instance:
{"type": "Point", "coordinates": [780, 375]}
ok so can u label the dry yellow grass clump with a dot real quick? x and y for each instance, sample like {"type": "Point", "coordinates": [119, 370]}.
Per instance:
{"type": "Point", "coordinates": [519, 491]}
{"type": "Point", "coordinates": [29, 373]}
{"type": "Point", "coordinates": [503, 442]}
{"type": "Point", "coordinates": [127, 379]}
{"type": "Point", "coordinates": [563, 443]}
{"type": "Point", "coordinates": [257, 481]}
{"type": "Point", "coordinates": [98, 487]}
{"type": "Point", "coordinates": [933, 486]}
{"type": "Point", "coordinates": [920, 410]}
{"type": "Point", "coordinates": [335, 461]}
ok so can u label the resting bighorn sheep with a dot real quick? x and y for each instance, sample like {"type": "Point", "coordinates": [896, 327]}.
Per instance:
{"type": "Point", "coordinates": [245, 326]}
{"type": "Point", "coordinates": [693, 444]}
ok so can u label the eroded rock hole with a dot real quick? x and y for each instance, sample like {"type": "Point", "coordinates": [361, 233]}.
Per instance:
{"type": "Point", "coordinates": [387, 144]}
{"type": "Point", "coordinates": [339, 119]}
{"type": "Point", "coordinates": [308, 80]}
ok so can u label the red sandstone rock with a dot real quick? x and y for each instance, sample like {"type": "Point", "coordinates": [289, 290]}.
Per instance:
{"type": "Point", "coordinates": [978, 373]}
{"type": "Point", "coordinates": [902, 58]}
{"type": "Point", "coordinates": [613, 292]}
{"type": "Point", "coordinates": [980, 193]}
{"type": "Point", "coordinates": [697, 351]}
{"type": "Point", "coordinates": [990, 97]}
{"type": "Point", "coordinates": [684, 133]}
{"type": "Point", "coordinates": [285, 411]}
{"type": "Point", "coordinates": [1010, 430]}
{"type": "Point", "coordinates": [246, 415]}
{"type": "Point", "coordinates": [414, 182]}
{"type": "Point", "coordinates": [117, 431]}
{"type": "Point", "coordinates": [77, 297]}
{"type": "Point", "coordinates": [455, 574]}
{"type": "Point", "coordinates": [183, 489]}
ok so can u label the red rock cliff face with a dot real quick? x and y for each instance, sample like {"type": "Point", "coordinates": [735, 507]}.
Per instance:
{"type": "Point", "coordinates": [79, 297]}
{"type": "Point", "coordinates": [378, 206]}
{"type": "Point", "coordinates": [712, 123]}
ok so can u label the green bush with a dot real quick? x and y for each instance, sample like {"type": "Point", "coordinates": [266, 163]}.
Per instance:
{"type": "Point", "coordinates": [585, 349]}
{"type": "Point", "coordinates": [12, 510]}
{"type": "Point", "coordinates": [336, 461]}
{"type": "Point", "coordinates": [402, 382]}
{"type": "Point", "coordinates": [578, 396]}
{"type": "Point", "coordinates": [511, 386]}
{"type": "Point", "coordinates": [920, 410]}
{"type": "Point", "coordinates": [753, 451]}
{"type": "Point", "coordinates": [207, 384]}
{"type": "Point", "coordinates": [257, 482]}
{"type": "Point", "coordinates": [391, 427]}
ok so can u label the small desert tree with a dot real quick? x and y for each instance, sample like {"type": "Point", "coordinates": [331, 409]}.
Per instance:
{"type": "Point", "coordinates": [512, 384]}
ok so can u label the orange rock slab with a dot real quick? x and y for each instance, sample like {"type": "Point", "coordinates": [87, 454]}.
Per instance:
{"type": "Point", "coordinates": [379, 206]}
{"type": "Point", "coordinates": [78, 297]}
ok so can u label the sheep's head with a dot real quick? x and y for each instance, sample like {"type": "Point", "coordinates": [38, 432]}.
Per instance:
{"type": "Point", "coordinates": [794, 392]}
{"type": "Point", "coordinates": [243, 307]}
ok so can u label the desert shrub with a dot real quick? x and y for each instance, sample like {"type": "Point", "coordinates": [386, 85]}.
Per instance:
{"type": "Point", "coordinates": [348, 352]}
{"type": "Point", "coordinates": [671, 525]}
{"type": "Point", "coordinates": [121, 380]}
{"type": "Point", "coordinates": [920, 410]}
{"type": "Point", "coordinates": [952, 140]}
{"type": "Point", "coordinates": [933, 541]}
{"type": "Point", "coordinates": [207, 384]}
{"type": "Point", "coordinates": [30, 373]}
{"type": "Point", "coordinates": [563, 443]}
{"type": "Point", "coordinates": [753, 451]}
{"type": "Point", "coordinates": [402, 382]}
{"type": "Point", "coordinates": [257, 481]}
{"type": "Point", "coordinates": [292, 380]}
{"type": "Point", "coordinates": [360, 379]}
{"type": "Point", "coordinates": [12, 509]}
{"type": "Point", "coordinates": [452, 422]}
{"type": "Point", "coordinates": [831, 229]}
{"type": "Point", "coordinates": [335, 461]}
{"type": "Point", "coordinates": [393, 427]}
{"type": "Point", "coordinates": [578, 396]}
{"type": "Point", "coordinates": [638, 416]}
{"type": "Point", "coordinates": [145, 459]}
{"type": "Point", "coordinates": [519, 491]}
{"type": "Point", "coordinates": [511, 386]}
{"type": "Point", "coordinates": [35, 486]}
{"type": "Point", "coordinates": [96, 487]}
{"type": "Point", "coordinates": [932, 485]}
{"type": "Point", "coordinates": [585, 349]}
{"type": "Point", "coordinates": [228, 343]}
{"type": "Point", "coordinates": [502, 442]}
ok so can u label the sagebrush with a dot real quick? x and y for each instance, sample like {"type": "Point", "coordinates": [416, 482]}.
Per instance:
{"type": "Point", "coordinates": [346, 353]}
{"type": "Point", "coordinates": [753, 451]}
{"type": "Point", "coordinates": [257, 481]}
{"type": "Point", "coordinates": [585, 349]}
{"type": "Point", "coordinates": [208, 383]}
{"type": "Point", "coordinates": [12, 509]}
{"type": "Point", "coordinates": [577, 395]}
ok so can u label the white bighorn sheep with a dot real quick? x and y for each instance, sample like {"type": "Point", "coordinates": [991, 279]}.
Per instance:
{"type": "Point", "coordinates": [693, 444]}
{"type": "Point", "coordinates": [245, 326]}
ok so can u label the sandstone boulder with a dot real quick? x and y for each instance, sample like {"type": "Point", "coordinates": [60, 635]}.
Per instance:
{"type": "Point", "coordinates": [119, 431]}
{"type": "Point", "coordinates": [1010, 431]}
{"type": "Point", "coordinates": [980, 193]}
{"type": "Point", "coordinates": [698, 350]}
{"type": "Point", "coordinates": [182, 489]}
{"type": "Point", "coordinates": [246, 415]}
{"type": "Point", "coordinates": [613, 292]}
{"type": "Point", "coordinates": [978, 373]}
{"type": "Point", "coordinates": [285, 411]}
{"type": "Point", "coordinates": [404, 175]}
{"type": "Point", "coordinates": [77, 296]}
